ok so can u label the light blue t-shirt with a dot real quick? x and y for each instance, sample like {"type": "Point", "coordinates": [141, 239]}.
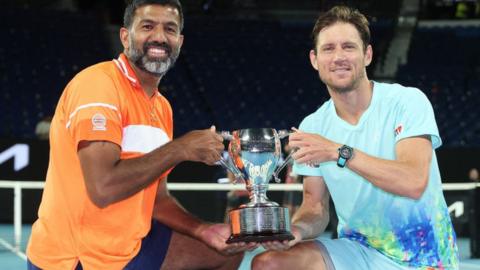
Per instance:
{"type": "Point", "coordinates": [415, 233]}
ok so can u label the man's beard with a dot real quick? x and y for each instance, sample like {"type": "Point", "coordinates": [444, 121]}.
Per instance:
{"type": "Point", "coordinates": [346, 88]}
{"type": "Point", "coordinates": [343, 90]}
{"type": "Point", "coordinates": [156, 67]}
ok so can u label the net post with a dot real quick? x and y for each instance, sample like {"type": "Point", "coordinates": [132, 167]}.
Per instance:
{"type": "Point", "coordinates": [17, 215]}
{"type": "Point", "coordinates": [475, 223]}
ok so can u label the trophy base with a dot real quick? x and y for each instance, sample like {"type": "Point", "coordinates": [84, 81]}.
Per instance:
{"type": "Point", "coordinates": [259, 238]}
{"type": "Point", "coordinates": [259, 224]}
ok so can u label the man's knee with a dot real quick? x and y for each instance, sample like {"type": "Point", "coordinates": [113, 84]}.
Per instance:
{"type": "Point", "coordinates": [302, 256]}
{"type": "Point", "coordinates": [267, 260]}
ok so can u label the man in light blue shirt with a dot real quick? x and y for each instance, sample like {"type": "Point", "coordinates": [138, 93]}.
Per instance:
{"type": "Point", "coordinates": [371, 148]}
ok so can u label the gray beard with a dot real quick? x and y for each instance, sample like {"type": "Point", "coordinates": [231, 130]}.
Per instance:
{"type": "Point", "coordinates": [157, 68]}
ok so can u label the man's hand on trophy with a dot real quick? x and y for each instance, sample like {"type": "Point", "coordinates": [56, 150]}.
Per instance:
{"type": "Point", "coordinates": [202, 145]}
{"type": "Point", "coordinates": [313, 149]}
{"type": "Point", "coordinates": [215, 235]}
{"type": "Point", "coordinates": [285, 244]}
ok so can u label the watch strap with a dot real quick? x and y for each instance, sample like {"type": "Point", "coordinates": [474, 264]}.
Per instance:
{"type": "Point", "coordinates": [341, 161]}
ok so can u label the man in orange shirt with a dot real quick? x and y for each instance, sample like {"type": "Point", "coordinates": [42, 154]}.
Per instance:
{"type": "Point", "coordinates": [105, 204]}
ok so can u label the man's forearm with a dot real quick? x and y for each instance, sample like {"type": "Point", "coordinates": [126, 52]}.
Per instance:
{"type": "Point", "coordinates": [390, 175]}
{"type": "Point", "coordinates": [406, 176]}
{"type": "Point", "coordinates": [312, 217]}
{"type": "Point", "coordinates": [112, 183]}
{"type": "Point", "coordinates": [310, 226]}
{"type": "Point", "coordinates": [110, 178]}
{"type": "Point", "coordinates": [133, 175]}
{"type": "Point", "coordinates": [169, 212]}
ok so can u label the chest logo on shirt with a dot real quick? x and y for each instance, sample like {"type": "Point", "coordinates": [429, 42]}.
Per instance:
{"type": "Point", "coordinates": [99, 122]}
{"type": "Point", "coordinates": [398, 130]}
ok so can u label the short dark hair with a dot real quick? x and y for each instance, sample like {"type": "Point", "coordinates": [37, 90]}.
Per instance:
{"type": "Point", "coordinates": [132, 6]}
{"type": "Point", "coordinates": [342, 14]}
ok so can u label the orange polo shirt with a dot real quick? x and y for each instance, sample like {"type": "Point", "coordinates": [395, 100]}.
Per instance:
{"type": "Point", "coordinates": [104, 102]}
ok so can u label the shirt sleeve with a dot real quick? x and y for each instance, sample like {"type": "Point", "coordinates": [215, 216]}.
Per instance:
{"type": "Point", "coordinates": [415, 117]}
{"type": "Point", "coordinates": [93, 108]}
{"type": "Point", "coordinates": [307, 125]}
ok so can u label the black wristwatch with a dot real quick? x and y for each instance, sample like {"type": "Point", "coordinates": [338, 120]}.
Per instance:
{"type": "Point", "coordinates": [344, 154]}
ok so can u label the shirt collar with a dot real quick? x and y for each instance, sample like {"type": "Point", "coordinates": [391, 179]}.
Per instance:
{"type": "Point", "coordinates": [124, 66]}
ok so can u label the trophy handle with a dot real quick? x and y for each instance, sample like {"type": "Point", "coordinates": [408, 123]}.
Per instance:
{"type": "Point", "coordinates": [228, 165]}
{"type": "Point", "coordinates": [226, 135]}
{"type": "Point", "coordinates": [283, 133]}
{"type": "Point", "coordinates": [279, 169]}
{"type": "Point", "coordinates": [236, 172]}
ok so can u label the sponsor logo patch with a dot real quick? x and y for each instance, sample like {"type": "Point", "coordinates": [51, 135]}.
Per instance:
{"type": "Point", "coordinates": [398, 130]}
{"type": "Point", "coordinates": [99, 122]}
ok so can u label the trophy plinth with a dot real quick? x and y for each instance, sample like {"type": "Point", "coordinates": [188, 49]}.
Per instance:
{"type": "Point", "coordinates": [259, 224]}
{"type": "Point", "coordinates": [254, 155]}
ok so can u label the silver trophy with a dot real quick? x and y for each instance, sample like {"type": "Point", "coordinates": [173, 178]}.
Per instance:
{"type": "Point", "coordinates": [254, 155]}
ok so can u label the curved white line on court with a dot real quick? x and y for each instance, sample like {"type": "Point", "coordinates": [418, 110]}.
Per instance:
{"type": "Point", "coordinates": [17, 252]}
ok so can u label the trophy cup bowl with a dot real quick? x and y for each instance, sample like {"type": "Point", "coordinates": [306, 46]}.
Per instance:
{"type": "Point", "coordinates": [254, 155]}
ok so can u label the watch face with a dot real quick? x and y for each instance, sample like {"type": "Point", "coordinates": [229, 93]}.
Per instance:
{"type": "Point", "coordinates": [345, 152]}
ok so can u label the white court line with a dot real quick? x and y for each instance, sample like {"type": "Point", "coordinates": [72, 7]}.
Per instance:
{"type": "Point", "coordinates": [13, 249]}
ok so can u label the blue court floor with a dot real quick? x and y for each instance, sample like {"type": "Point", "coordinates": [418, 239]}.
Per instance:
{"type": "Point", "coordinates": [11, 260]}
